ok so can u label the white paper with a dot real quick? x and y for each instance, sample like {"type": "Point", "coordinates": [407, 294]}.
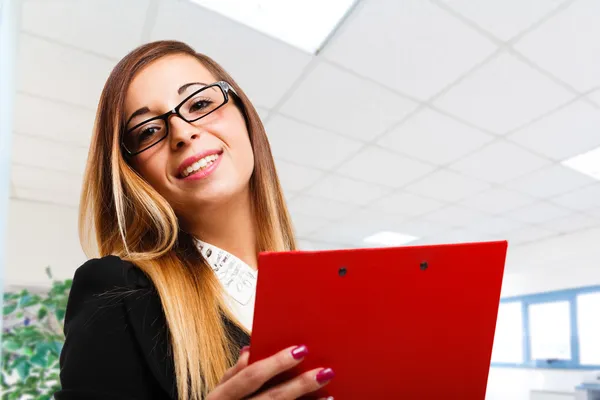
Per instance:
{"type": "Point", "coordinates": [550, 331]}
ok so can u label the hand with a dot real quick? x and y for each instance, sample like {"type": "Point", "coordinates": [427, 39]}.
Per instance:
{"type": "Point", "coordinates": [242, 380]}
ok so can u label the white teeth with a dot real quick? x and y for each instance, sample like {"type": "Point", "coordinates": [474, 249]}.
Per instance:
{"type": "Point", "coordinates": [200, 164]}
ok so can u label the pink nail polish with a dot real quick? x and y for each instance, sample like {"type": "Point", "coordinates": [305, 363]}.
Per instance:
{"type": "Point", "coordinates": [300, 352]}
{"type": "Point", "coordinates": [244, 349]}
{"type": "Point", "coordinates": [325, 375]}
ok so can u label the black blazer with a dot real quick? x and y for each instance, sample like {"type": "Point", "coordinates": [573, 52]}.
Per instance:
{"type": "Point", "coordinates": [116, 343]}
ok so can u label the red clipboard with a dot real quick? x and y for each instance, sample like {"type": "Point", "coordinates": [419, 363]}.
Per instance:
{"type": "Point", "coordinates": [394, 323]}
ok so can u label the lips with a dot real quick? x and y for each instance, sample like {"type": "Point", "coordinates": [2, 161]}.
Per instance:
{"type": "Point", "coordinates": [192, 161]}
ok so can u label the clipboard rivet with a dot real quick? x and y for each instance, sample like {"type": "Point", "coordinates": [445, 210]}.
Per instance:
{"type": "Point", "coordinates": [342, 271]}
{"type": "Point", "coordinates": [424, 265]}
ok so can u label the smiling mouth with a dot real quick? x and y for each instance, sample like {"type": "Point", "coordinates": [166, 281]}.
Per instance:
{"type": "Point", "coordinates": [199, 165]}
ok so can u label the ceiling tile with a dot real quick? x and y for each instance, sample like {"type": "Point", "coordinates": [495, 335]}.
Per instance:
{"type": "Point", "coordinates": [311, 245]}
{"type": "Point", "coordinates": [46, 196]}
{"type": "Point", "coordinates": [246, 54]}
{"type": "Point", "coordinates": [296, 177]}
{"type": "Point", "coordinates": [69, 75]}
{"type": "Point", "coordinates": [84, 23]}
{"type": "Point", "coordinates": [503, 94]}
{"type": "Point", "coordinates": [567, 45]}
{"type": "Point", "coordinates": [40, 179]}
{"type": "Point", "coordinates": [497, 201]}
{"type": "Point", "coordinates": [263, 113]}
{"type": "Point", "coordinates": [571, 223]}
{"type": "Point", "coordinates": [583, 199]}
{"type": "Point", "coordinates": [494, 226]}
{"type": "Point", "coordinates": [412, 46]}
{"type": "Point", "coordinates": [42, 153]}
{"type": "Point", "coordinates": [550, 181]}
{"type": "Point", "coordinates": [305, 145]}
{"type": "Point", "coordinates": [456, 216]}
{"type": "Point", "coordinates": [447, 186]}
{"type": "Point", "coordinates": [53, 120]}
{"type": "Point", "coordinates": [504, 19]}
{"type": "Point", "coordinates": [344, 103]}
{"type": "Point", "coordinates": [406, 204]}
{"type": "Point", "coordinates": [457, 236]}
{"type": "Point", "coordinates": [422, 228]}
{"type": "Point", "coordinates": [566, 133]}
{"type": "Point", "coordinates": [383, 167]}
{"type": "Point", "coordinates": [434, 137]}
{"type": "Point", "coordinates": [499, 162]}
{"type": "Point", "coordinates": [347, 190]}
{"type": "Point", "coordinates": [354, 229]}
{"type": "Point", "coordinates": [304, 224]}
{"type": "Point", "coordinates": [322, 208]}
{"type": "Point", "coordinates": [595, 96]}
{"type": "Point", "coordinates": [528, 235]}
{"type": "Point", "coordinates": [538, 213]}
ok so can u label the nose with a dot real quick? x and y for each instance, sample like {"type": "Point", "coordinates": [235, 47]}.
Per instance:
{"type": "Point", "coordinates": [181, 133]}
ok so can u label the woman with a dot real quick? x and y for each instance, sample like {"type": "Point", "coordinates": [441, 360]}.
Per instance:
{"type": "Point", "coordinates": [178, 203]}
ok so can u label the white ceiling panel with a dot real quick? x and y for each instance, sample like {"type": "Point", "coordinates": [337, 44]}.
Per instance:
{"type": "Point", "coordinates": [92, 25]}
{"type": "Point", "coordinates": [354, 229]}
{"type": "Point", "coordinates": [583, 199]}
{"type": "Point", "coordinates": [503, 94]}
{"type": "Point", "coordinates": [53, 120]}
{"type": "Point", "coordinates": [412, 46]}
{"type": "Point", "coordinates": [538, 213]}
{"type": "Point", "coordinates": [550, 181]}
{"type": "Point", "coordinates": [456, 216]}
{"type": "Point", "coordinates": [406, 204]}
{"type": "Point", "coordinates": [434, 137]}
{"type": "Point", "coordinates": [46, 196]}
{"type": "Point", "coordinates": [504, 19]}
{"type": "Point", "coordinates": [528, 234]}
{"type": "Point", "coordinates": [595, 96]}
{"type": "Point", "coordinates": [567, 45]}
{"type": "Point", "coordinates": [568, 132]}
{"type": "Point", "coordinates": [305, 224]}
{"type": "Point", "coordinates": [497, 201]}
{"type": "Point", "coordinates": [495, 226]}
{"type": "Point", "coordinates": [422, 228]}
{"type": "Point", "coordinates": [263, 113]}
{"type": "Point", "coordinates": [264, 67]}
{"type": "Point", "coordinates": [499, 162]}
{"type": "Point", "coordinates": [457, 236]}
{"type": "Point", "coordinates": [571, 223]}
{"type": "Point", "coordinates": [341, 102]}
{"type": "Point", "coordinates": [67, 74]}
{"type": "Point", "coordinates": [306, 145]}
{"type": "Point", "coordinates": [447, 186]}
{"type": "Point", "coordinates": [296, 177]}
{"type": "Point", "coordinates": [312, 245]}
{"type": "Point", "coordinates": [41, 179]}
{"type": "Point", "coordinates": [383, 167]}
{"type": "Point", "coordinates": [322, 208]}
{"type": "Point", "coordinates": [42, 153]}
{"type": "Point", "coordinates": [347, 190]}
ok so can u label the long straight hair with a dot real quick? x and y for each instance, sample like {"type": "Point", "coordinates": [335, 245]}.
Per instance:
{"type": "Point", "coordinates": [121, 214]}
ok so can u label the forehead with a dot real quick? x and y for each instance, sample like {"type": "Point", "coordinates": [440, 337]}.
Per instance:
{"type": "Point", "coordinates": [158, 82]}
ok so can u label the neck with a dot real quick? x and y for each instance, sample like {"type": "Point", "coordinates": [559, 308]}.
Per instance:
{"type": "Point", "coordinates": [229, 226]}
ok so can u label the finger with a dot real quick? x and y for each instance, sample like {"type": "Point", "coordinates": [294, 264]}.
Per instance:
{"type": "Point", "coordinates": [308, 382]}
{"type": "Point", "coordinates": [242, 363]}
{"type": "Point", "coordinates": [251, 378]}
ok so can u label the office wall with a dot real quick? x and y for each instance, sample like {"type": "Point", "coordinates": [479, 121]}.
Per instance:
{"type": "Point", "coordinates": [565, 262]}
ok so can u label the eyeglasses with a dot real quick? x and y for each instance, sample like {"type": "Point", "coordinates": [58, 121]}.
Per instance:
{"type": "Point", "coordinates": [194, 107]}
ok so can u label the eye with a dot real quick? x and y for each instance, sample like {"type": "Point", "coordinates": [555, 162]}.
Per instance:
{"type": "Point", "coordinates": [200, 105]}
{"type": "Point", "coordinates": [147, 133]}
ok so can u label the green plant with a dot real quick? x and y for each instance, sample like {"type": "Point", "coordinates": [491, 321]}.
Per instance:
{"type": "Point", "coordinates": [32, 341]}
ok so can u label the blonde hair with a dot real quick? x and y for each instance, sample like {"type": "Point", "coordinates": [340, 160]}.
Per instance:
{"type": "Point", "coordinates": [121, 214]}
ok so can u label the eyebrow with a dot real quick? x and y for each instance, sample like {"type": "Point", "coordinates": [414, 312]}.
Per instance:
{"type": "Point", "coordinates": [146, 110]}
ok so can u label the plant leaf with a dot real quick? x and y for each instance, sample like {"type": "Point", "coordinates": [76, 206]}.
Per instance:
{"type": "Point", "coordinates": [23, 368]}
{"type": "Point", "coordinates": [42, 312]}
{"type": "Point", "coordinates": [11, 345]}
{"type": "Point", "coordinates": [9, 309]}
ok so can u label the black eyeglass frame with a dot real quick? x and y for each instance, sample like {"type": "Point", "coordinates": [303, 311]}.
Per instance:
{"type": "Point", "coordinates": [222, 85]}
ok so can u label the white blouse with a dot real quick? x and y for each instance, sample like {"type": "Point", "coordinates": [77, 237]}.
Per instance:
{"type": "Point", "coordinates": [238, 279]}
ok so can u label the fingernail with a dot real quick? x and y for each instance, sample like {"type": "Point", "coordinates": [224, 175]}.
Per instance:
{"type": "Point", "coordinates": [300, 352]}
{"type": "Point", "coordinates": [325, 375]}
{"type": "Point", "coordinates": [244, 349]}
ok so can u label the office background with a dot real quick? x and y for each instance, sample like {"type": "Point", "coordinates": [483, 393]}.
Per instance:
{"type": "Point", "coordinates": [392, 122]}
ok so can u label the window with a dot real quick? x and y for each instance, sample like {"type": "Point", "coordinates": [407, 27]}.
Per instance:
{"type": "Point", "coordinates": [549, 330]}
